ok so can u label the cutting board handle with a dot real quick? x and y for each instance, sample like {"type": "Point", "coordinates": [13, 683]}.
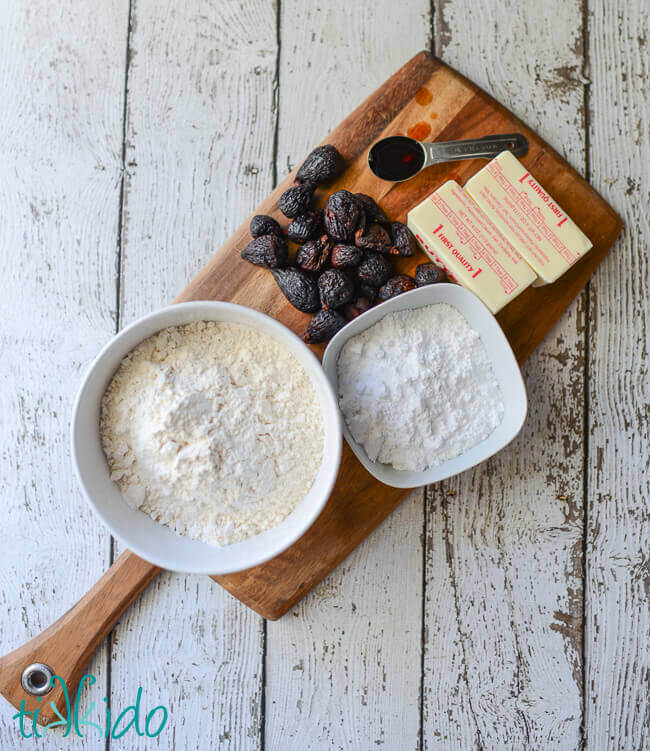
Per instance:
{"type": "Point", "coordinates": [68, 644]}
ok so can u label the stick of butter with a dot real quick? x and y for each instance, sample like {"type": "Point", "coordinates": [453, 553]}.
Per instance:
{"type": "Point", "coordinates": [528, 216]}
{"type": "Point", "coordinates": [456, 234]}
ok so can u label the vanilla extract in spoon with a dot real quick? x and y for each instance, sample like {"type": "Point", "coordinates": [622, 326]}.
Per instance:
{"type": "Point", "coordinates": [398, 158]}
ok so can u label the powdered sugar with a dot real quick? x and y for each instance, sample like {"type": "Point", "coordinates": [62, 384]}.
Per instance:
{"type": "Point", "coordinates": [417, 388]}
{"type": "Point", "coordinates": [212, 429]}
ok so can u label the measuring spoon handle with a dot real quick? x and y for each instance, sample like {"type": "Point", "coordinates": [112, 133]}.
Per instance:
{"type": "Point", "coordinates": [475, 148]}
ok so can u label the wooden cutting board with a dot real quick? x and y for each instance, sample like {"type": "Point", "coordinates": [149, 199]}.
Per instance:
{"type": "Point", "coordinates": [429, 101]}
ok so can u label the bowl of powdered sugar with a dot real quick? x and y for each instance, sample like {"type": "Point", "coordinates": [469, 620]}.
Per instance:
{"type": "Point", "coordinates": [207, 437]}
{"type": "Point", "coordinates": [427, 385]}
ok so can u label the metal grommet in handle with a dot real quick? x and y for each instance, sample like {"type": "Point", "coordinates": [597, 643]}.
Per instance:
{"type": "Point", "coordinates": [37, 679]}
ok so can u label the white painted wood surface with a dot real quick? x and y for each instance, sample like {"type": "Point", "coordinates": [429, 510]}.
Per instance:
{"type": "Point", "coordinates": [617, 629]}
{"type": "Point", "coordinates": [60, 162]}
{"type": "Point", "coordinates": [459, 623]}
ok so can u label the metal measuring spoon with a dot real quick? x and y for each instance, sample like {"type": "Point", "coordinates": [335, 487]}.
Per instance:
{"type": "Point", "coordinates": [398, 158]}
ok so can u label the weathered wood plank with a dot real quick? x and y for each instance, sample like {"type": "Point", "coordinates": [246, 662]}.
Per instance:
{"type": "Point", "coordinates": [344, 665]}
{"type": "Point", "coordinates": [62, 74]}
{"type": "Point", "coordinates": [447, 714]}
{"type": "Point", "coordinates": [617, 711]}
{"type": "Point", "coordinates": [200, 131]}
{"type": "Point", "coordinates": [504, 669]}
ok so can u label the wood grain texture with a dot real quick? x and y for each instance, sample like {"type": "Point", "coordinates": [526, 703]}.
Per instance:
{"type": "Point", "coordinates": [509, 533]}
{"type": "Point", "coordinates": [617, 632]}
{"type": "Point", "coordinates": [448, 719]}
{"type": "Point", "coordinates": [62, 78]}
{"type": "Point", "coordinates": [359, 503]}
{"type": "Point", "coordinates": [199, 152]}
{"type": "Point", "coordinates": [344, 664]}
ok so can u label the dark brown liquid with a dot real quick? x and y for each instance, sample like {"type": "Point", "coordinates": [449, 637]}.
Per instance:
{"type": "Point", "coordinates": [396, 158]}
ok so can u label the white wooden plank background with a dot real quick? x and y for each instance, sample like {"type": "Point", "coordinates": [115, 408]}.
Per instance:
{"type": "Point", "coordinates": [617, 628]}
{"type": "Point", "coordinates": [60, 162]}
{"type": "Point", "coordinates": [506, 610]}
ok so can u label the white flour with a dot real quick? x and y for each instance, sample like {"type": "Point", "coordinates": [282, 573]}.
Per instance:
{"type": "Point", "coordinates": [212, 429]}
{"type": "Point", "coordinates": [418, 388]}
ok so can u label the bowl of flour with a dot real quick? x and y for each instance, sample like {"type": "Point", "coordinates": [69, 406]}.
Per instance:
{"type": "Point", "coordinates": [207, 437]}
{"type": "Point", "coordinates": [427, 385]}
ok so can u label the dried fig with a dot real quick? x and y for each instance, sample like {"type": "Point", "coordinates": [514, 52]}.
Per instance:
{"type": "Point", "coordinates": [269, 251]}
{"type": "Point", "coordinates": [323, 326]}
{"type": "Point", "coordinates": [429, 273]}
{"type": "Point", "coordinates": [314, 254]}
{"type": "Point", "coordinates": [374, 270]}
{"type": "Point", "coordinates": [355, 308]}
{"type": "Point", "coordinates": [306, 226]}
{"type": "Point", "coordinates": [372, 210]}
{"type": "Point", "coordinates": [321, 165]}
{"type": "Point", "coordinates": [374, 238]}
{"type": "Point", "coordinates": [296, 200]}
{"type": "Point", "coordinates": [369, 293]}
{"type": "Point", "coordinates": [299, 288]}
{"type": "Point", "coordinates": [404, 242]}
{"type": "Point", "coordinates": [261, 224]}
{"type": "Point", "coordinates": [346, 256]}
{"type": "Point", "coordinates": [335, 288]}
{"type": "Point", "coordinates": [396, 286]}
{"type": "Point", "coordinates": [342, 214]}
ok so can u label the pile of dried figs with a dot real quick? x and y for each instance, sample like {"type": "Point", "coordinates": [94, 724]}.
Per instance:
{"type": "Point", "coordinates": [342, 266]}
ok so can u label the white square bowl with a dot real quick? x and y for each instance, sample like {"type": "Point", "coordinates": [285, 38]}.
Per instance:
{"type": "Point", "coordinates": [503, 361]}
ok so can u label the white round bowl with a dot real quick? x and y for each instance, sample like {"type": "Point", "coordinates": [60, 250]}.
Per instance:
{"type": "Point", "coordinates": [153, 541]}
{"type": "Point", "coordinates": [503, 362]}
